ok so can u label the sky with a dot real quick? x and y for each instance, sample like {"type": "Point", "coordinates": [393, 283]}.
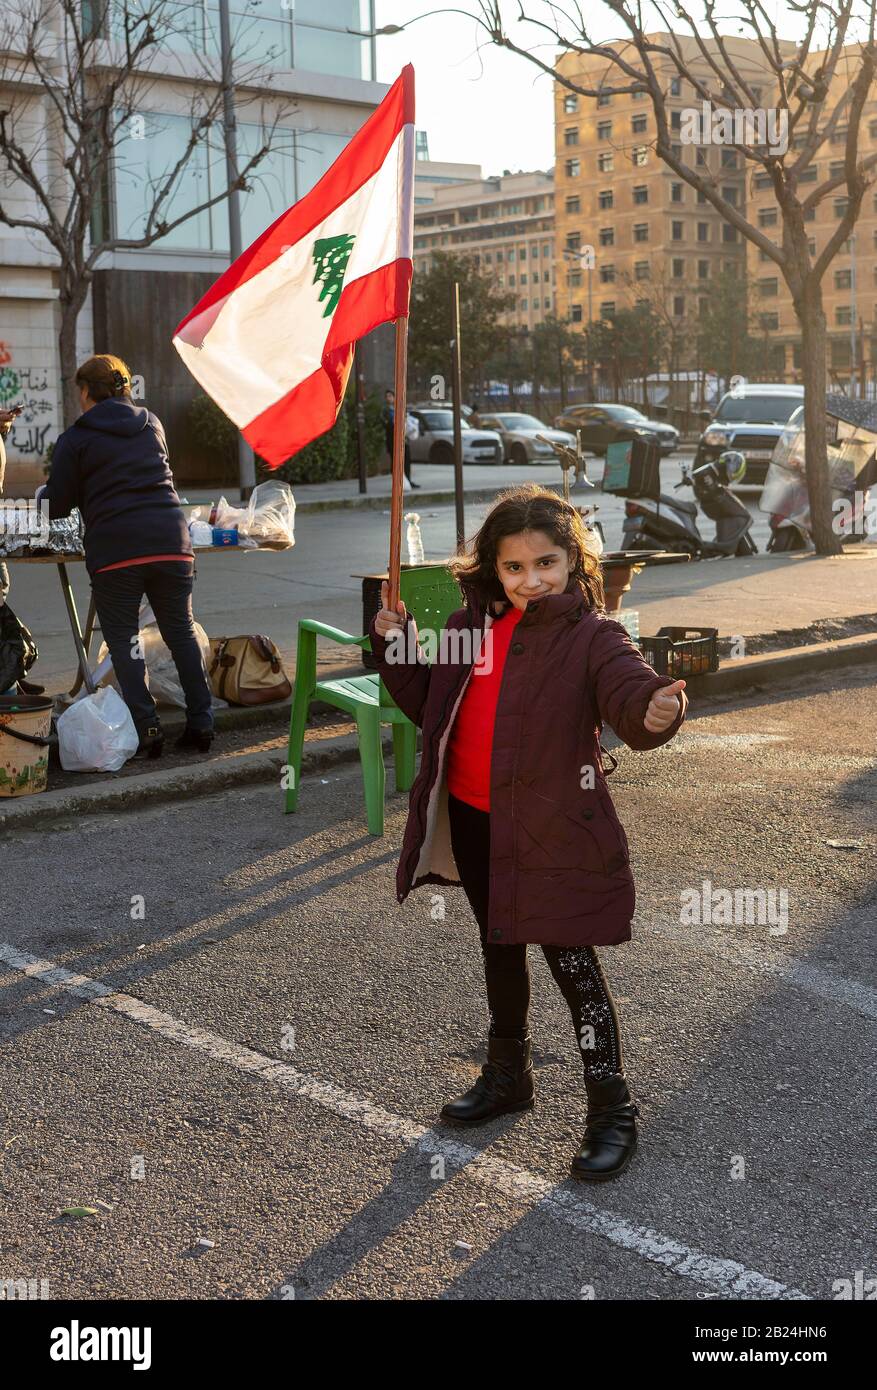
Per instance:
{"type": "Point", "coordinates": [482, 106]}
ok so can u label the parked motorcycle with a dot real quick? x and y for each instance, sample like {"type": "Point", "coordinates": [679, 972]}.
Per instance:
{"type": "Point", "coordinates": [852, 469]}
{"type": "Point", "coordinates": [669, 523]}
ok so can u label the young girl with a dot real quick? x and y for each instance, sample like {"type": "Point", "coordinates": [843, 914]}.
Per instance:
{"type": "Point", "coordinates": [511, 797]}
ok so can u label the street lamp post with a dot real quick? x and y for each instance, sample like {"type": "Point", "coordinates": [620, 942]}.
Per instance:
{"type": "Point", "coordinates": [246, 457]}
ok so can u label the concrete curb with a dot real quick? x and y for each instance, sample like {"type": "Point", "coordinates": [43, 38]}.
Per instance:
{"type": "Point", "coordinates": [246, 769]}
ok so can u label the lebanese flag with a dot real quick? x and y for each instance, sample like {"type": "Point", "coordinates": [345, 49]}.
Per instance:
{"type": "Point", "coordinates": [272, 341]}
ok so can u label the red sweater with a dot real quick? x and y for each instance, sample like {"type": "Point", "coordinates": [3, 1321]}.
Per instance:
{"type": "Point", "coordinates": [471, 741]}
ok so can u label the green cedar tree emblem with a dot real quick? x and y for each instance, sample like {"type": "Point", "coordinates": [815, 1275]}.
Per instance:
{"type": "Point", "coordinates": [331, 255]}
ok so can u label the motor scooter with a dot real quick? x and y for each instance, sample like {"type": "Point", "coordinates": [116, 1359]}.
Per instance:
{"type": "Point", "coordinates": [668, 523]}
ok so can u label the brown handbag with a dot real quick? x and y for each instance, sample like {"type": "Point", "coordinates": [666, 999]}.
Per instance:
{"type": "Point", "coordinates": [247, 671]}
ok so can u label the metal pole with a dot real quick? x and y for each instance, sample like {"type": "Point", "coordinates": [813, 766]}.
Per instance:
{"type": "Point", "coordinates": [457, 376]}
{"type": "Point", "coordinates": [360, 422]}
{"type": "Point", "coordinates": [246, 457]}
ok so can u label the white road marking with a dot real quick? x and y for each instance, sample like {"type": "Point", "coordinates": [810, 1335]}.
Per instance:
{"type": "Point", "coordinates": [726, 1277]}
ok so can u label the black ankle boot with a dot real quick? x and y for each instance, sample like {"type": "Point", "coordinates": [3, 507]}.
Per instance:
{"type": "Point", "coordinates": [505, 1084]}
{"type": "Point", "coordinates": [198, 739]}
{"type": "Point", "coordinates": [151, 741]}
{"type": "Point", "coordinates": [609, 1142]}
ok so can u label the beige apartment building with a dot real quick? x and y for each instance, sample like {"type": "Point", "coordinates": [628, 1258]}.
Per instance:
{"type": "Point", "coordinates": [849, 286]}
{"type": "Point", "coordinates": [653, 236]}
{"type": "Point", "coordinates": [506, 224]}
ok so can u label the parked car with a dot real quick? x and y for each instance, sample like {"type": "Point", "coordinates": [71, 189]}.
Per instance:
{"type": "Point", "coordinates": [519, 437]}
{"type": "Point", "coordinates": [751, 420]}
{"type": "Point", "coordinates": [605, 424]}
{"type": "Point", "coordinates": [435, 442]}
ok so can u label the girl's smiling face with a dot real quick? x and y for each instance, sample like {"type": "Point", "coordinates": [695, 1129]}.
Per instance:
{"type": "Point", "coordinates": [530, 565]}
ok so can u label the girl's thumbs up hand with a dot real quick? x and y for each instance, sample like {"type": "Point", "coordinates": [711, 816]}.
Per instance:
{"type": "Point", "coordinates": [663, 708]}
{"type": "Point", "coordinates": [387, 620]}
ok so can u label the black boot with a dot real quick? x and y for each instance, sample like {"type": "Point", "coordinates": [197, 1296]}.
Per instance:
{"type": "Point", "coordinates": [505, 1084]}
{"type": "Point", "coordinates": [151, 741]}
{"type": "Point", "coordinates": [198, 739]}
{"type": "Point", "coordinates": [609, 1142]}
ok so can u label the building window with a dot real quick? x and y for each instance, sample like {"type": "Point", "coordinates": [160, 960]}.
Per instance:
{"type": "Point", "coordinates": [729, 159]}
{"type": "Point", "coordinates": [639, 124]}
{"type": "Point", "coordinates": [534, 252]}
{"type": "Point", "coordinates": [573, 168]}
{"type": "Point", "coordinates": [703, 270]}
{"type": "Point", "coordinates": [523, 279]}
{"type": "Point", "coordinates": [570, 103]}
{"type": "Point", "coordinates": [840, 352]}
{"type": "Point", "coordinates": [843, 314]}
{"type": "Point", "coordinates": [768, 288]}
{"type": "Point", "coordinates": [729, 233]}
{"type": "Point", "coordinates": [607, 274]}
{"type": "Point", "coordinates": [677, 231]}
{"type": "Point", "coordinates": [605, 162]}
{"type": "Point", "coordinates": [640, 193]}
{"type": "Point", "coordinates": [607, 309]}
{"type": "Point", "coordinates": [604, 130]}
{"type": "Point", "coordinates": [678, 269]}
{"type": "Point", "coordinates": [678, 306]}
{"type": "Point", "coordinates": [571, 135]}
{"type": "Point", "coordinates": [675, 86]}
{"type": "Point", "coordinates": [640, 155]}
{"type": "Point", "coordinates": [729, 193]}
{"type": "Point", "coordinates": [510, 254]}
{"type": "Point", "coordinates": [811, 245]}
{"type": "Point", "coordinates": [701, 196]}
{"type": "Point", "coordinates": [523, 303]}
{"type": "Point", "coordinates": [703, 231]}
{"type": "Point", "coordinates": [574, 279]}
{"type": "Point", "coordinates": [700, 157]}
{"type": "Point", "coordinates": [872, 129]}
{"type": "Point", "coordinates": [676, 193]}
{"type": "Point", "coordinates": [575, 313]}
{"type": "Point", "coordinates": [607, 236]}
{"type": "Point", "coordinates": [843, 279]}
{"type": "Point", "coordinates": [641, 270]}
{"type": "Point", "coordinates": [573, 240]}
{"type": "Point", "coordinates": [546, 275]}
{"type": "Point", "coordinates": [547, 302]}
{"type": "Point", "coordinates": [763, 181]}
{"type": "Point", "coordinates": [546, 248]}
{"type": "Point", "coordinates": [840, 207]}
{"type": "Point", "coordinates": [641, 231]}
{"type": "Point", "coordinates": [574, 204]}
{"type": "Point", "coordinates": [809, 214]}
{"type": "Point", "coordinates": [809, 175]}
{"type": "Point", "coordinates": [768, 217]}
{"type": "Point", "coordinates": [604, 98]}
{"type": "Point", "coordinates": [604, 198]}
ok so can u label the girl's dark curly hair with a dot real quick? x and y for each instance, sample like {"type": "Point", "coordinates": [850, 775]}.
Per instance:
{"type": "Point", "coordinates": [528, 507]}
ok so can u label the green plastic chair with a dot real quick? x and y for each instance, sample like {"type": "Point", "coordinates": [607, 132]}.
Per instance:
{"type": "Point", "coordinates": [430, 594]}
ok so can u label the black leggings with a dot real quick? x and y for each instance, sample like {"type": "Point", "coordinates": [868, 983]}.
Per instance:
{"type": "Point", "coordinates": [576, 969]}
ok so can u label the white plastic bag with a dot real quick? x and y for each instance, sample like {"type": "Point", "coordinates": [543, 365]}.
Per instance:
{"type": "Point", "coordinates": [97, 733]}
{"type": "Point", "coordinates": [270, 518]}
{"type": "Point", "coordinates": [161, 672]}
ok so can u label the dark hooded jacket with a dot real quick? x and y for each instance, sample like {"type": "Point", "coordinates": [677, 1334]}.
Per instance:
{"type": "Point", "coordinates": [559, 860]}
{"type": "Point", "coordinates": [113, 465]}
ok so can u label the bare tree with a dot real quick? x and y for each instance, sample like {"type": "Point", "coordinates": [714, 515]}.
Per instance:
{"type": "Point", "coordinates": [648, 55]}
{"type": "Point", "coordinates": [74, 76]}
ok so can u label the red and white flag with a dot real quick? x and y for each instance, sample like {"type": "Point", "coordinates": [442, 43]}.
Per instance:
{"type": "Point", "coordinates": [272, 341]}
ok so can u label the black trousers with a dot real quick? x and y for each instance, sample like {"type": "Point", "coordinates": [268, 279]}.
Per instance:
{"type": "Point", "coordinates": [576, 969]}
{"type": "Point", "coordinates": [167, 585]}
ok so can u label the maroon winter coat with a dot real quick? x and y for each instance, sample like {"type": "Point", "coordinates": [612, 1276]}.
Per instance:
{"type": "Point", "coordinates": [559, 863]}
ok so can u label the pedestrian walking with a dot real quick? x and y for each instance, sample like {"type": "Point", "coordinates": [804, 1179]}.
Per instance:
{"type": "Point", "coordinates": [7, 418]}
{"type": "Point", "coordinates": [412, 430]}
{"type": "Point", "coordinates": [511, 799]}
{"type": "Point", "coordinates": [112, 463]}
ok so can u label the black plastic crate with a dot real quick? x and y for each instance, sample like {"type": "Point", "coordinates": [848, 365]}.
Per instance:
{"type": "Point", "coordinates": [632, 469]}
{"type": "Point", "coordinates": [682, 651]}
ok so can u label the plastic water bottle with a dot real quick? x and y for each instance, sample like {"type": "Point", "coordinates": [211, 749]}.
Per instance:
{"type": "Point", "coordinates": [415, 541]}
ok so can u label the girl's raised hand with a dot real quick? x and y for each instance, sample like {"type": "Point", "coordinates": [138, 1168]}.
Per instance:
{"type": "Point", "coordinates": [387, 619]}
{"type": "Point", "coordinates": [663, 708]}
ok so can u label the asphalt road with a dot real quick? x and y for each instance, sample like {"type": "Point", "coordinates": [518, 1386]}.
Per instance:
{"type": "Point", "coordinates": [252, 1040]}
{"type": "Point", "coordinates": [269, 591]}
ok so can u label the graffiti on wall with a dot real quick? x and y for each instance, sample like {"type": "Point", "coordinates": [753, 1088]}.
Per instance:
{"type": "Point", "coordinates": [28, 387]}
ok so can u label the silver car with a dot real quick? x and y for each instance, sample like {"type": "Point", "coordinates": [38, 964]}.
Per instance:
{"type": "Point", "coordinates": [435, 442]}
{"type": "Point", "coordinates": [519, 437]}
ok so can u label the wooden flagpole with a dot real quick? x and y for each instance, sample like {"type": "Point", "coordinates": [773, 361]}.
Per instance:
{"type": "Point", "coordinates": [399, 417]}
